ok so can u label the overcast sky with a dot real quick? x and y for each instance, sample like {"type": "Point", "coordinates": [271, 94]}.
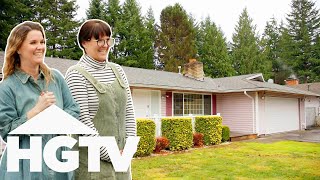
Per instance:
{"type": "Point", "coordinates": [225, 13]}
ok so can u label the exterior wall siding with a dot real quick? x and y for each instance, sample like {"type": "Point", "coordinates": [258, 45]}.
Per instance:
{"type": "Point", "coordinates": [236, 110]}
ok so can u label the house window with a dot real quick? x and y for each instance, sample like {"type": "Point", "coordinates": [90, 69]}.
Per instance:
{"type": "Point", "coordinates": [178, 104]}
{"type": "Point", "coordinates": [197, 104]}
{"type": "Point", "coordinates": [193, 104]}
{"type": "Point", "coordinates": [207, 104]}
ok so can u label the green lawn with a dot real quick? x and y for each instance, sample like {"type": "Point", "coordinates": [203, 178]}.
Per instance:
{"type": "Point", "coordinates": [240, 160]}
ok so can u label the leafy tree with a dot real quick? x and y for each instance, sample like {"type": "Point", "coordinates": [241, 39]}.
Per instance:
{"type": "Point", "coordinates": [246, 48]}
{"type": "Point", "coordinates": [303, 28]}
{"type": "Point", "coordinates": [13, 12]}
{"type": "Point", "coordinates": [61, 30]}
{"type": "Point", "coordinates": [213, 52]}
{"type": "Point", "coordinates": [96, 10]}
{"type": "Point", "coordinates": [177, 37]}
{"type": "Point", "coordinates": [135, 48]}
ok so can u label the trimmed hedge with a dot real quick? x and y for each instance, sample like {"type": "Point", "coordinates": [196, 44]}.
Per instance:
{"type": "Point", "coordinates": [210, 127]}
{"type": "Point", "coordinates": [225, 133]}
{"type": "Point", "coordinates": [178, 131]}
{"type": "Point", "coordinates": [146, 130]}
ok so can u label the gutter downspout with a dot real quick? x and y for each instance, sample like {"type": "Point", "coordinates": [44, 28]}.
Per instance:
{"type": "Point", "coordinates": [253, 112]}
{"type": "Point", "coordinates": [257, 112]}
{"type": "Point", "coordinates": [303, 125]}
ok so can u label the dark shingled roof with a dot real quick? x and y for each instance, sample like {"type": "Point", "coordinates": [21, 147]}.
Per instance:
{"type": "Point", "coordinates": [313, 87]}
{"type": "Point", "coordinates": [139, 77]}
{"type": "Point", "coordinates": [146, 78]}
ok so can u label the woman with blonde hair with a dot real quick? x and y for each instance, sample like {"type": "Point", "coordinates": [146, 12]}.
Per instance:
{"type": "Point", "coordinates": [28, 87]}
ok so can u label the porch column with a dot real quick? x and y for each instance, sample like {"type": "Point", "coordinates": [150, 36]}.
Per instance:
{"type": "Point", "coordinates": [168, 103]}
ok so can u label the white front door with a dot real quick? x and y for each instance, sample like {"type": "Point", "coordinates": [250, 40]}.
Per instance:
{"type": "Point", "coordinates": [141, 102]}
{"type": "Point", "coordinates": [146, 102]}
{"type": "Point", "coordinates": [281, 114]}
{"type": "Point", "coordinates": [310, 116]}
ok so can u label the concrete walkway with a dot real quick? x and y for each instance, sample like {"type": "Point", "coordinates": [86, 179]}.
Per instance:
{"type": "Point", "coordinates": [312, 135]}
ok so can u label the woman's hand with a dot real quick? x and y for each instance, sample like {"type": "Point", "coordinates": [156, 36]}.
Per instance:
{"type": "Point", "coordinates": [45, 100]}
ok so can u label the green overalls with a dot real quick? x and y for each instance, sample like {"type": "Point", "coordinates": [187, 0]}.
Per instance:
{"type": "Point", "coordinates": [109, 121]}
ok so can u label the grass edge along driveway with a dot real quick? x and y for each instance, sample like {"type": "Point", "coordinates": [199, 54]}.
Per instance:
{"type": "Point", "coordinates": [237, 160]}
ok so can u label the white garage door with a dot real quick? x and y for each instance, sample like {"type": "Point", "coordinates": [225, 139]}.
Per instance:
{"type": "Point", "coordinates": [282, 114]}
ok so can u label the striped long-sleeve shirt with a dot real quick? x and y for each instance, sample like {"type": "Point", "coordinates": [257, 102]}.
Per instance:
{"type": "Point", "coordinates": [85, 95]}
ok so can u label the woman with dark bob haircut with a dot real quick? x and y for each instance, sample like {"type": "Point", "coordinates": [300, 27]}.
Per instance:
{"type": "Point", "coordinates": [28, 87]}
{"type": "Point", "coordinates": [102, 91]}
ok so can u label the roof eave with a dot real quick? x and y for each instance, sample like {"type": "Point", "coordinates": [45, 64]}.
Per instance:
{"type": "Point", "coordinates": [172, 88]}
{"type": "Point", "coordinates": [163, 87]}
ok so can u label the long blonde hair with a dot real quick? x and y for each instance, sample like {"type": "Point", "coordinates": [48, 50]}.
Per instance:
{"type": "Point", "coordinates": [17, 36]}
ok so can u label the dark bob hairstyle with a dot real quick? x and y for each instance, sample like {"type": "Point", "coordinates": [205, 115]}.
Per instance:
{"type": "Point", "coordinates": [93, 28]}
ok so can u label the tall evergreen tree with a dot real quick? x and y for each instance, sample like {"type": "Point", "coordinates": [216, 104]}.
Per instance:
{"type": "Point", "coordinates": [96, 10]}
{"type": "Point", "coordinates": [303, 28]}
{"type": "Point", "coordinates": [57, 17]}
{"type": "Point", "coordinates": [11, 14]}
{"type": "Point", "coordinates": [113, 17]}
{"type": "Point", "coordinates": [135, 47]}
{"type": "Point", "coordinates": [286, 45]}
{"type": "Point", "coordinates": [177, 37]}
{"type": "Point", "coordinates": [271, 37]}
{"type": "Point", "coordinates": [271, 50]}
{"type": "Point", "coordinates": [150, 35]}
{"type": "Point", "coordinates": [212, 50]}
{"type": "Point", "coordinates": [315, 60]}
{"type": "Point", "coordinates": [245, 48]}
{"type": "Point", "coordinates": [113, 14]}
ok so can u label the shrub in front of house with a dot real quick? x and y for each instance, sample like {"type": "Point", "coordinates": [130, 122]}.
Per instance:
{"type": "Point", "coordinates": [146, 131]}
{"type": "Point", "coordinates": [210, 127]}
{"type": "Point", "coordinates": [198, 139]}
{"type": "Point", "coordinates": [178, 131]}
{"type": "Point", "coordinates": [161, 143]}
{"type": "Point", "coordinates": [225, 133]}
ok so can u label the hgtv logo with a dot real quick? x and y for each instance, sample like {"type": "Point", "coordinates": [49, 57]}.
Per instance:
{"type": "Point", "coordinates": [50, 121]}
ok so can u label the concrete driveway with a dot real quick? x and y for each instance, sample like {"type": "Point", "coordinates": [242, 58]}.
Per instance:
{"type": "Point", "coordinates": [312, 135]}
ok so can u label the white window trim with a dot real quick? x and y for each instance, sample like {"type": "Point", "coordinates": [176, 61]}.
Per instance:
{"type": "Point", "coordinates": [179, 92]}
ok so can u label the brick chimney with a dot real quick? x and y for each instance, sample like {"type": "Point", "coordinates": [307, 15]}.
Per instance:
{"type": "Point", "coordinates": [194, 69]}
{"type": "Point", "coordinates": [292, 80]}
